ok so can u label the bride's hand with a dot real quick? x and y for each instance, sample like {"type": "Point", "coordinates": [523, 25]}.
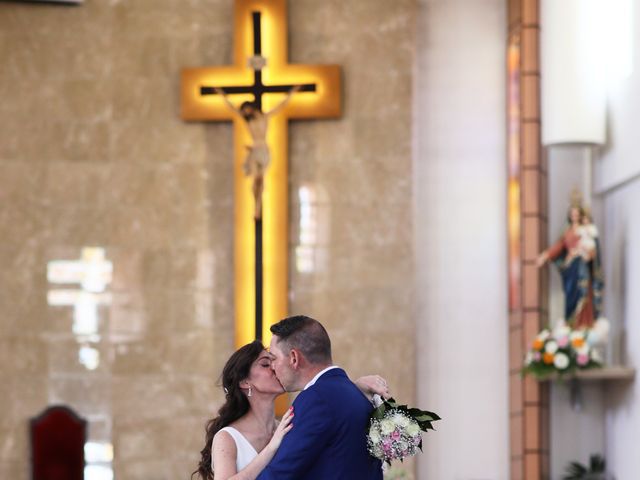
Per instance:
{"type": "Point", "coordinates": [373, 384]}
{"type": "Point", "coordinates": [282, 429]}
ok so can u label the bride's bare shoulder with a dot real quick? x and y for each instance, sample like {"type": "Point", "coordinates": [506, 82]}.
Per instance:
{"type": "Point", "coordinates": [223, 442]}
{"type": "Point", "coordinates": [223, 455]}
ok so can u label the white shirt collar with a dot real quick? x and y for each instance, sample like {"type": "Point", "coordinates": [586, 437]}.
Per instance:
{"type": "Point", "coordinates": [315, 379]}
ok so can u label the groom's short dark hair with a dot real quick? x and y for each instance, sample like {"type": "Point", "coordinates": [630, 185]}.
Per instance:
{"type": "Point", "coordinates": [307, 335]}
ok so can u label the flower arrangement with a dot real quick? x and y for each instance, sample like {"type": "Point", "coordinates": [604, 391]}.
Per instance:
{"type": "Point", "coordinates": [563, 350]}
{"type": "Point", "coordinates": [395, 431]}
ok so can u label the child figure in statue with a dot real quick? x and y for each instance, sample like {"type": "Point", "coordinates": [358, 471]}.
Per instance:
{"type": "Point", "coordinates": [588, 236]}
{"type": "Point", "coordinates": [577, 256]}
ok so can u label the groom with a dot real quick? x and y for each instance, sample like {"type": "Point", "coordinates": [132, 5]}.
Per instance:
{"type": "Point", "coordinates": [328, 439]}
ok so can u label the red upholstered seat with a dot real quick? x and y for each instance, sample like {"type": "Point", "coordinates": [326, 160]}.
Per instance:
{"type": "Point", "coordinates": [58, 436]}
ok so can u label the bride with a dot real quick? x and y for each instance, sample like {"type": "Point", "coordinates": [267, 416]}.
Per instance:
{"type": "Point", "coordinates": [245, 435]}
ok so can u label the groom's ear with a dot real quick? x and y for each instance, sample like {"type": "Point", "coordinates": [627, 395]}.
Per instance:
{"type": "Point", "coordinates": [294, 358]}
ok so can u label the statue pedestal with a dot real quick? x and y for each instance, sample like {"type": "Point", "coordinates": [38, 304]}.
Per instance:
{"type": "Point", "coordinates": [612, 373]}
{"type": "Point", "coordinates": [609, 373]}
{"type": "Point", "coordinates": [579, 404]}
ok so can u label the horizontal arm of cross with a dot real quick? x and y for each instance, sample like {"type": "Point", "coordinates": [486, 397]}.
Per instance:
{"type": "Point", "coordinates": [306, 87]}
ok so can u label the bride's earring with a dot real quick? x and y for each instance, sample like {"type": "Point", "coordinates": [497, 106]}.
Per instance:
{"type": "Point", "coordinates": [249, 394]}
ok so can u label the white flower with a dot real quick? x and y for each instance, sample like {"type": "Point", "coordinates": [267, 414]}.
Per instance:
{"type": "Point", "coordinates": [561, 361]}
{"type": "Point", "coordinates": [528, 358]}
{"type": "Point", "coordinates": [543, 335]}
{"type": "Point", "coordinates": [387, 426]}
{"type": "Point", "coordinates": [400, 420]}
{"type": "Point", "coordinates": [601, 329]}
{"type": "Point", "coordinates": [562, 331]}
{"type": "Point", "coordinates": [595, 356]}
{"type": "Point", "coordinates": [374, 435]}
{"type": "Point", "coordinates": [551, 347]}
{"type": "Point", "coordinates": [377, 452]}
{"type": "Point", "coordinates": [402, 445]}
{"type": "Point", "coordinates": [413, 429]}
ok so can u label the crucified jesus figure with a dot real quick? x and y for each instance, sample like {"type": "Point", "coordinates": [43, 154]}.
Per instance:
{"type": "Point", "coordinates": [258, 158]}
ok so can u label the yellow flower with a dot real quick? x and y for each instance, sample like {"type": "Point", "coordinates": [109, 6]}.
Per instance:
{"type": "Point", "coordinates": [547, 358]}
{"type": "Point", "coordinates": [538, 344]}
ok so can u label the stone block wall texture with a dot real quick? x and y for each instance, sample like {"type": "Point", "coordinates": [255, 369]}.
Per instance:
{"type": "Point", "coordinates": [93, 153]}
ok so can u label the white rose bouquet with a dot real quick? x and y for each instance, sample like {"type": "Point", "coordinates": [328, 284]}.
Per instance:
{"type": "Point", "coordinates": [395, 431]}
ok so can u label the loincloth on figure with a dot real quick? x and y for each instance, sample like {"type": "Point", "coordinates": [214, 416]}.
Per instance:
{"type": "Point", "coordinates": [257, 160]}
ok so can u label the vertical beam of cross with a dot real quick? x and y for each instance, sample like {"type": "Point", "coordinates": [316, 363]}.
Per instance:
{"type": "Point", "coordinates": [261, 28]}
{"type": "Point", "coordinates": [258, 89]}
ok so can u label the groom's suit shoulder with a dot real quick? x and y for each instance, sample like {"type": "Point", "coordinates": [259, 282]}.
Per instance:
{"type": "Point", "coordinates": [336, 378]}
{"type": "Point", "coordinates": [334, 388]}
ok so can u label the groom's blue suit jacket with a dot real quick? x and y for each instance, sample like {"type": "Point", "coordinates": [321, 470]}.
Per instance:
{"type": "Point", "coordinates": [328, 438]}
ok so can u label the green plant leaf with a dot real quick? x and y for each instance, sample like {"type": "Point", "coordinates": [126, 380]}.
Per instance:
{"type": "Point", "coordinates": [597, 464]}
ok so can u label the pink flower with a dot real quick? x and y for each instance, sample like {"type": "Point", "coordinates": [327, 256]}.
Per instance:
{"type": "Point", "coordinates": [395, 435]}
{"type": "Point", "coordinates": [386, 443]}
{"type": "Point", "coordinates": [562, 342]}
{"type": "Point", "coordinates": [537, 356]}
{"type": "Point", "coordinates": [582, 359]}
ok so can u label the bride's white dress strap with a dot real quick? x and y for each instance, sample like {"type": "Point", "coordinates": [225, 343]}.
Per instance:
{"type": "Point", "coordinates": [244, 450]}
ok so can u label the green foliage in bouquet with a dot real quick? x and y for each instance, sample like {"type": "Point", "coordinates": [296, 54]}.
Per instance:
{"type": "Point", "coordinates": [422, 417]}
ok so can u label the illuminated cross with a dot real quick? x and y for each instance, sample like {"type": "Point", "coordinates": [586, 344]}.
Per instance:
{"type": "Point", "coordinates": [260, 248]}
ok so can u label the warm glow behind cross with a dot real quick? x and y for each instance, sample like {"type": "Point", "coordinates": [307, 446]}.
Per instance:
{"type": "Point", "coordinates": [324, 102]}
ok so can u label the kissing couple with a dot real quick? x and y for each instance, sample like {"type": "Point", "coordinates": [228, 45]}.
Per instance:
{"type": "Point", "coordinates": [321, 436]}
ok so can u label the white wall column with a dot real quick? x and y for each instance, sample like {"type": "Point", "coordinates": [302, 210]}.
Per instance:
{"type": "Point", "coordinates": [460, 224]}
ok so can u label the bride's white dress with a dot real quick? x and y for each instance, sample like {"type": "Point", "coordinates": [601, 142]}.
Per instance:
{"type": "Point", "coordinates": [245, 451]}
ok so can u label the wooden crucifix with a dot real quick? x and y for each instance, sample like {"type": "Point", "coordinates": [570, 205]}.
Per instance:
{"type": "Point", "coordinates": [261, 75]}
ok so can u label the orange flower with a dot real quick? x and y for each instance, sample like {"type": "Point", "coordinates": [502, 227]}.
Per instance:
{"type": "Point", "coordinates": [538, 344]}
{"type": "Point", "coordinates": [548, 358]}
{"type": "Point", "coordinates": [577, 342]}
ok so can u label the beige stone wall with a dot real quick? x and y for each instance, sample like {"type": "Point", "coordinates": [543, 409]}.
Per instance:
{"type": "Point", "coordinates": [360, 168]}
{"type": "Point", "coordinates": [93, 153]}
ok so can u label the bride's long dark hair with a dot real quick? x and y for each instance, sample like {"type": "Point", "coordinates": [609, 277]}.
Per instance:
{"type": "Point", "coordinates": [236, 405]}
